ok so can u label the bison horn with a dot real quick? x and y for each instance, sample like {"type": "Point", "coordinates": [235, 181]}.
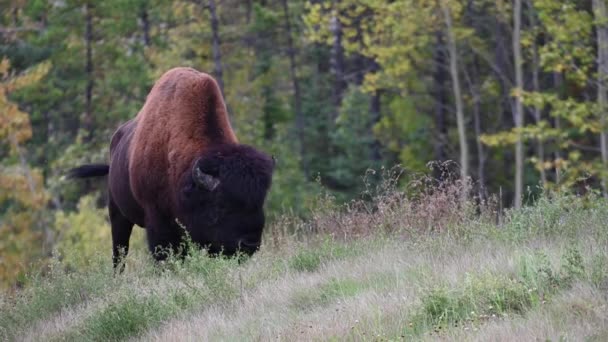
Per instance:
{"type": "Point", "coordinates": [205, 180]}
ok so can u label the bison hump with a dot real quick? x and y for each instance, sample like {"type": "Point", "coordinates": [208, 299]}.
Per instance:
{"type": "Point", "coordinates": [188, 103]}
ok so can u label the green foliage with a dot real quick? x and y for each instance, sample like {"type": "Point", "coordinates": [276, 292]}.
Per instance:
{"type": "Point", "coordinates": [405, 132]}
{"type": "Point", "coordinates": [22, 194]}
{"type": "Point", "coordinates": [266, 75]}
{"type": "Point", "coordinates": [291, 191]}
{"type": "Point", "coordinates": [572, 265]}
{"type": "Point", "coordinates": [568, 27]}
{"type": "Point", "coordinates": [83, 234]}
{"type": "Point", "coordinates": [80, 234]}
{"type": "Point", "coordinates": [566, 50]}
{"type": "Point", "coordinates": [352, 141]}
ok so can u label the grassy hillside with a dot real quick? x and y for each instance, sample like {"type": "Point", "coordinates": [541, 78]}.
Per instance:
{"type": "Point", "coordinates": [391, 269]}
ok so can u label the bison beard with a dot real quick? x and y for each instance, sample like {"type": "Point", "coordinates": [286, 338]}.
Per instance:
{"type": "Point", "coordinates": [178, 168]}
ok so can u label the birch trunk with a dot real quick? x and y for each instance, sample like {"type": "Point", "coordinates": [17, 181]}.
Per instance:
{"type": "Point", "coordinates": [599, 9]}
{"type": "Point", "coordinates": [518, 109]}
{"type": "Point", "coordinates": [464, 153]}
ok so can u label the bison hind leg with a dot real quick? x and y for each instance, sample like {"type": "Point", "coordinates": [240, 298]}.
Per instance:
{"type": "Point", "coordinates": [121, 233]}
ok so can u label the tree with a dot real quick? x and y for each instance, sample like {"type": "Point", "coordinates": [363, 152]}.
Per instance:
{"type": "Point", "coordinates": [565, 55]}
{"type": "Point", "coordinates": [24, 234]}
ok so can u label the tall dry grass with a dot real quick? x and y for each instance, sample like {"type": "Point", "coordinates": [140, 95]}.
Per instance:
{"type": "Point", "coordinates": [425, 205]}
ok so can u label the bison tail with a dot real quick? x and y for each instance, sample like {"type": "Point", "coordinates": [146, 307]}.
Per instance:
{"type": "Point", "coordinates": [89, 170]}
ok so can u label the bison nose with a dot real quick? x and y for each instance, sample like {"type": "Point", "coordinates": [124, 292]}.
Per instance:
{"type": "Point", "coordinates": [246, 243]}
{"type": "Point", "coordinates": [249, 245]}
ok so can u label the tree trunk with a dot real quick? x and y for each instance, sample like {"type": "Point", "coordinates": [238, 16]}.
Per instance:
{"type": "Point", "coordinates": [296, 86]}
{"type": "Point", "coordinates": [518, 113]}
{"type": "Point", "coordinates": [464, 153]}
{"type": "Point", "coordinates": [504, 115]}
{"type": "Point", "coordinates": [217, 56]}
{"type": "Point", "coordinates": [88, 107]}
{"type": "Point", "coordinates": [145, 23]}
{"type": "Point", "coordinates": [336, 63]}
{"type": "Point", "coordinates": [599, 8]}
{"type": "Point", "coordinates": [441, 102]}
{"type": "Point", "coordinates": [481, 159]}
{"type": "Point", "coordinates": [248, 8]}
{"type": "Point", "coordinates": [558, 84]}
{"type": "Point", "coordinates": [474, 87]}
{"type": "Point", "coordinates": [540, 148]}
{"type": "Point", "coordinates": [374, 110]}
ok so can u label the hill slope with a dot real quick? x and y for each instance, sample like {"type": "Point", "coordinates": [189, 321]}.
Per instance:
{"type": "Point", "coordinates": [387, 274]}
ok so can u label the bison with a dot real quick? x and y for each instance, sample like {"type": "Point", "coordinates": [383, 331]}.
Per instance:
{"type": "Point", "coordinates": [178, 167]}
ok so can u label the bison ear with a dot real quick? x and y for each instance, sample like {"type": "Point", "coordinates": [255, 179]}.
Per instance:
{"type": "Point", "coordinates": [205, 180]}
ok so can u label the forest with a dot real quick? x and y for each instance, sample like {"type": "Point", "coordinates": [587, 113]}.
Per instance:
{"type": "Point", "coordinates": [507, 95]}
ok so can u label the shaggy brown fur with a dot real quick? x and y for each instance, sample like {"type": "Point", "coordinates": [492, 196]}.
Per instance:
{"type": "Point", "coordinates": [183, 127]}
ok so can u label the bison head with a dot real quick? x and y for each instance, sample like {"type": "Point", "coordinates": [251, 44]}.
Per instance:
{"type": "Point", "coordinates": [222, 197]}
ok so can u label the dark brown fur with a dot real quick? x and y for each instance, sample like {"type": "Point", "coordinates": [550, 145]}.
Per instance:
{"type": "Point", "coordinates": [184, 121]}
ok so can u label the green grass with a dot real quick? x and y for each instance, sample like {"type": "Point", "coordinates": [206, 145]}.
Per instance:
{"type": "Point", "coordinates": [310, 259]}
{"type": "Point", "coordinates": [131, 315]}
{"type": "Point", "coordinates": [483, 296]}
{"type": "Point", "coordinates": [540, 274]}
{"type": "Point", "coordinates": [326, 293]}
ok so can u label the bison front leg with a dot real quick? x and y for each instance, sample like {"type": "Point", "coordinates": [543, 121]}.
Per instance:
{"type": "Point", "coordinates": [121, 233]}
{"type": "Point", "coordinates": [163, 237]}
